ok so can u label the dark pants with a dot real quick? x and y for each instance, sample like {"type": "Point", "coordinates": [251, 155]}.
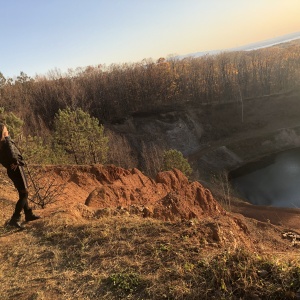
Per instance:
{"type": "Point", "coordinates": [18, 177]}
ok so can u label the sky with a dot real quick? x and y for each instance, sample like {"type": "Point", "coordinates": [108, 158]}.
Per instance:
{"type": "Point", "coordinates": [38, 36]}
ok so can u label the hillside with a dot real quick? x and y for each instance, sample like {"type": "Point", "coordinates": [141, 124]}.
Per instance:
{"type": "Point", "coordinates": [115, 233]}
{"type": "Point", "coordinates": [217, 136]}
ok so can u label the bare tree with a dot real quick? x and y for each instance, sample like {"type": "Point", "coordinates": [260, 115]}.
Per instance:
{"type": "Point", "coordinates": [43, 189]}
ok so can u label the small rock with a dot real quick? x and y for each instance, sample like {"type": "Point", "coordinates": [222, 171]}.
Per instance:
{"type": "Point", "coordinates": [263, 273]}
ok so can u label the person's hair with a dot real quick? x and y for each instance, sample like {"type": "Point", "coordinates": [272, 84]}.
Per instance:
{"type": "Point", "coordinates": [2, 125]}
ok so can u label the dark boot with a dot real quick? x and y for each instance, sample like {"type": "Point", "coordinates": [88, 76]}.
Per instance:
{"type": "Point", "coordinates": [15, 221]}
{"type": "Point", "coordinates": [29, 216]}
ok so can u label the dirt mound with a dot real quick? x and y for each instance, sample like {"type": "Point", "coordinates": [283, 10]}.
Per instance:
{"type": "Point", "coordinates": [169, 197]}
{"type": "Point", "coordinates": [102, 191]}
{"type": "Point", "coordinates": [109, 188]}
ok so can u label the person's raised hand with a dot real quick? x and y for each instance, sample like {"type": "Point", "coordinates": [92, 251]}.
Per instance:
{"type": "Point", "coordinates": [5, 132]}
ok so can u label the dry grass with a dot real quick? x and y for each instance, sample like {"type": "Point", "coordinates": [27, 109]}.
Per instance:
{"type": "Point", "coordinates": [134, 258]}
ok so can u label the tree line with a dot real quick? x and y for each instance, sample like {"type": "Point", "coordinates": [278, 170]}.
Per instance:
{"type": "Point", "coordinates": [113, 93]}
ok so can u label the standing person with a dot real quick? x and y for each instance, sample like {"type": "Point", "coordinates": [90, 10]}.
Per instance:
{"type": "Point", "coordinates": [12, 160]}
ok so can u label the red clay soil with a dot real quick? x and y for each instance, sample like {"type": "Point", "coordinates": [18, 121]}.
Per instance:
{"type": "Point", "coordinates": [287, 217]}
{"type": "Point", "coordinates": [169, 197]}
{"type": "Point", "coordinates": [101, 191]}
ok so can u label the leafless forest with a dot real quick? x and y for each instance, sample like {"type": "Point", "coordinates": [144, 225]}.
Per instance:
{"type": "Point", "coordinates": [116, 92]}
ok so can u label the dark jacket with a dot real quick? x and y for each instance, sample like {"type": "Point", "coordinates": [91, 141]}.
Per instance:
{"type": "Point", "coordinates": [10, 154]}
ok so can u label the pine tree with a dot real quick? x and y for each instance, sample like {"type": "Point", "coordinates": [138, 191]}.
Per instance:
{"type": "Point", "coordinates": [81, 135]}
{"type": "Point", "coordinates": [174, 159]}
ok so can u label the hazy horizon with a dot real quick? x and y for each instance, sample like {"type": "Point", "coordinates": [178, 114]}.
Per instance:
{"type": "Point", "coordinates": [252, 46]}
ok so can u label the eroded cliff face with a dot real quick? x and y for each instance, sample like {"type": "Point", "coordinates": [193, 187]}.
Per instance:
{"type": "Point", "coordinates": [219, 136]}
